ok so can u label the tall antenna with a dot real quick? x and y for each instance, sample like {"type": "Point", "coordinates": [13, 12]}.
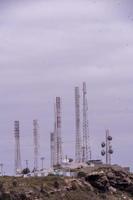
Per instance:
{"type": "Point", "coordinates": [55, 137]}
{"type": "Point", "coordinates": [36, 143]}
{"type": "Point", "coordinates": [107, 147]}
{"type": "Point", "coordinates": [58, 140]}
{"type": "Point", "coordinates": [77, 124]}
{"type": "Point", "coordinates": [18, 167]}
{"type": "Point", "coordinates": [86, 140]}
{"type": "Point", "coordinates": [1, 169]}
{"type": "Point", "coordinates": [52, 148]}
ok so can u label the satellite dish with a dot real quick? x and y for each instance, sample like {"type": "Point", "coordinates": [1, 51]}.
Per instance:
{"type": "Point", "coordinates": [102, 152]}
{"type": "Point", "coordinates": [109, 138]}
{"type": "Point", "coordinates": [111, 151]}
{"type": "Point", "coordinates": [103, 144]}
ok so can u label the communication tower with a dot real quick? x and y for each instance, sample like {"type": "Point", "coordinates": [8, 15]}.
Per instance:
{"type": "Point", "coordinates": [86, 153]}
{"type": "Point", "coordinates": [107, 147]}
{"type": "Point", "coordinates": [58, 139]}
{"type": "Point", "coordinates": [36, 144]}
{"type": "Point", "coordinates": [77, 124]}
{"type": "Point", "coordinates": [18, 167]}
{"type": "Point", "coordinates": [52, 147]}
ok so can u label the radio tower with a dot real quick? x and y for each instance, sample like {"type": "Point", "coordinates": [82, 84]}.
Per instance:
{"type": "Point", "coordinates": [58, 140]}
{"type": "Point", "coordinates": [18, 167]}
{"type": "Point", "coordinates": [52, 147]}
{"type": "Point", "coordinates": [36, 143]}
{"type": "Point", "coordinates": [86, 140]}
{"type": "Point", "coordinates": [77, 123]}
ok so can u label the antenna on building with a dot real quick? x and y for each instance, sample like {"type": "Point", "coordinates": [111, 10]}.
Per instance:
{"type": "Point", "coordinates": [18, 167]}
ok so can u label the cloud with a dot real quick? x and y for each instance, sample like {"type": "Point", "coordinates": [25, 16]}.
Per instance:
{"type": "Point", "coordinates": [48, 47]}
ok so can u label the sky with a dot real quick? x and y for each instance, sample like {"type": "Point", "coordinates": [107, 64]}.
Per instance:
{"type": "Point", "coordinates": [47, 47]}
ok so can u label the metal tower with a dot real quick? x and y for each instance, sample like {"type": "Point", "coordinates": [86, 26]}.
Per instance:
{"type": "Point", "coordinates": [77, 124]}
{"type": "Point", "coordinates": [1, 169]}
{"type": "Point", "coordinates": [42, 160]}
{"type": "Point", "coordinates": [36, 144]}
{"type": "Point", "coordinates": [107, 147]}
{"type": "Point", "coordinates": [58, 140]}
{"type": "Point", "coordinates": [18, 167]}
{"type": "Point", "coordinates": [86, 153]}
{"type": "Point", "coordinates": [52, 148]}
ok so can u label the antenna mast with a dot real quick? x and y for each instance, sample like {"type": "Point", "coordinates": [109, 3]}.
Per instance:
{"type": "Point", "coordinates": [18, 167]}
{"type": "Point", "coordinates": [77, 124]}
{"type": "Point", "coordinates": [86, 140]}
{"type": "Point", "coordinates": [58, 132]}
{"type": "Point", "coordinates": [36, 143]}
{"type": "Point", "coordinates": [52, 148]}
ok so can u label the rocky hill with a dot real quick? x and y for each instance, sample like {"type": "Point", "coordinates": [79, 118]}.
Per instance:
{"type": "Point", "coordinates": [103, 183]}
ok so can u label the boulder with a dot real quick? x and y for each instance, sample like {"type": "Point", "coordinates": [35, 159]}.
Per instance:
{"type": "Point", "coordinates": [110, 179]}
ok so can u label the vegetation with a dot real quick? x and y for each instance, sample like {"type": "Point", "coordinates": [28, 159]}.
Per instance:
{"type": "Point", "coordinates": [26, 171]}
{"type": "Point", "coordinates": [103, 183]}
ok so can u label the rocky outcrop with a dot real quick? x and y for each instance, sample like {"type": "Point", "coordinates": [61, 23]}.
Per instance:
{"type": "Point", "coordinates": [111, 179]}
{"type": "Point", "coordinates": [103, 183]}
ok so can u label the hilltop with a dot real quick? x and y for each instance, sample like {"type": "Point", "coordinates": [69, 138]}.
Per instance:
{"type": "Point", "coordinates": [102, 183]}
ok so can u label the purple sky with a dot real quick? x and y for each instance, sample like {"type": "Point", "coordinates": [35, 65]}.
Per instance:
{"type": "Point", "coordinates": [47, 47]}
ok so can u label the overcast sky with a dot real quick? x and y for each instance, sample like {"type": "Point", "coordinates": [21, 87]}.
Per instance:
{"type": "Point", "coordinates": [47, 47]}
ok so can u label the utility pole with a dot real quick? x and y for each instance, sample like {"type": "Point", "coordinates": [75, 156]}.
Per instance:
{"type": "Point", "coordinates": [27, 163]}
{"type": "Point", "coordinates": [42, 160]}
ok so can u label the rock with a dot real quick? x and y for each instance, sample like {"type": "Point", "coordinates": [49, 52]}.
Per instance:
{"type": "Point", "coordinates": [88, 186]}
{"type": "Point", "coordinates": [74, 185]}
{"type": "Point", "coordinates": [6, 196]}
{"type": "Point", "coordinates": [110, 179]}
{"type": "Point", "coordinates": [23, 196]}
{"type": "Point", "coordinates": [98, 180]}
{"type": "Point", "coordinates": [103, 183]}
{"type": "Point", "coordinates": [56, 184]}
{"type": "Point", "coordinates": [14, 183]}
{"type": "Point", "coordinates": [129, 189]}
{"type": "Point", "coordinates": [112, 190]}
{"type": "Point", "coordinates": [110, 175]}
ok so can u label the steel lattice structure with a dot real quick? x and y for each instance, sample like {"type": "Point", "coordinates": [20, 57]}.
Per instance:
{"type": "Point", "coordinates": [36, 143]}
{"type": "Point", "coordinates": [52, 148]}
{"type": "Point", "coordinates": [18, 167]}
{"type": "Point", "coordinates": [78, 154]}
{"type": "Point", "coordinates": [58, 132]}
{"type": "Point", "coordinates": [86, 149]}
